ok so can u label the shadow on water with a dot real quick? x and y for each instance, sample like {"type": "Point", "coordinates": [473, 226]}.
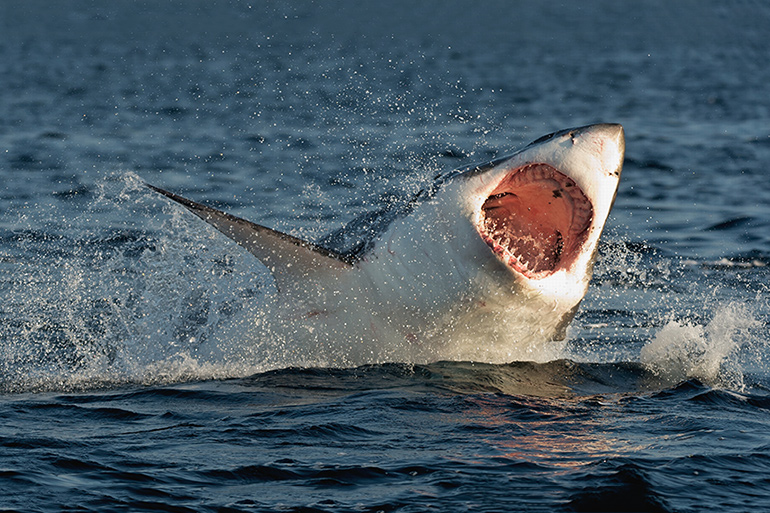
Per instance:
{"type": "Point", "coordinates": [556, 379]}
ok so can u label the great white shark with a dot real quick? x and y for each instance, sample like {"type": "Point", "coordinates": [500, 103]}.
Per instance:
{"type": "Point", "coordinates": [487, 263]}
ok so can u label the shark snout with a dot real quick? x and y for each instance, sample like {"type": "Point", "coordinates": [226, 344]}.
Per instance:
{"type": "Point", "coordinates": [610, 141]}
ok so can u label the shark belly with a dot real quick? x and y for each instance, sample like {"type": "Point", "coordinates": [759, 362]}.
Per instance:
{"type": "Point", "coordinates": [424, 293]}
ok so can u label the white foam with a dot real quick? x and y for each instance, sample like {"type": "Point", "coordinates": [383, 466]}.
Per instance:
{"type": "Point", "coordinates": [710, 353]}
{"type": "Point", "coordinates": [147, 308]}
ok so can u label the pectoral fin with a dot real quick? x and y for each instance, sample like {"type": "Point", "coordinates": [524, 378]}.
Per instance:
{"type": "Point", "coordinates": [288, 258]}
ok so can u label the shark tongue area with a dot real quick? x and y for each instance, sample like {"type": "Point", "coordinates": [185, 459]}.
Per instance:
{"type": "Point", "coordinates": [536, 220]}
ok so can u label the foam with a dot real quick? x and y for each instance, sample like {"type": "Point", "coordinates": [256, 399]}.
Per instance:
{"type": "Point", "coordinates": [710, 353]}
{"type": "Point", "coordinates": [124, 305]}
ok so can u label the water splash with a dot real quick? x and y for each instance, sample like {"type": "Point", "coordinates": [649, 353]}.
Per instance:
{"type": "Point", "coordinates": [686, 350]}
{"type": "Point", "coordinates": [87, 305]}
{"type": "Point", "coordinates": [125, 288]}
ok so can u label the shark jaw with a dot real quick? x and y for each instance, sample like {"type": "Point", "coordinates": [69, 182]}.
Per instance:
{"type": "Point", "coordinates": [536, 220]}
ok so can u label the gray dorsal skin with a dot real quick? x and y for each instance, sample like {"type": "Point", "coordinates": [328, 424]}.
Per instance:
{"type": "Point", "coordinates": [354, 240]}
{"type": "Point", "coordinates": [288, 258]}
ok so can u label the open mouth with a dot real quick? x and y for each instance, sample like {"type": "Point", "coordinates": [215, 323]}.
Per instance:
{"type": "Point", "coordinates": [536, 220]}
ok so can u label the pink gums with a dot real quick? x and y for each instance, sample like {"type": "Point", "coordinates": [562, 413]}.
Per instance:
{"type": "Point", "coordinates": [536, 220]}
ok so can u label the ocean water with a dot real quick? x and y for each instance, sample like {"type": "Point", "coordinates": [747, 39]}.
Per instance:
{"type": "Point", "coordinates": [123, 386]}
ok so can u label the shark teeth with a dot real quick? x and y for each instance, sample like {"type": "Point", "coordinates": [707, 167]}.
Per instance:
{"type": "Point", "coordinates": [536, 220]}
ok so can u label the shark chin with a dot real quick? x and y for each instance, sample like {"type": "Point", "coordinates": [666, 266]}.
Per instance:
{"type": "Point", "coordinates": [488, 263]}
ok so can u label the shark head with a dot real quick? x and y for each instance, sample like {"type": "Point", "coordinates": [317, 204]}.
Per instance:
{"type": "Point", "coordinates": [542, 210]}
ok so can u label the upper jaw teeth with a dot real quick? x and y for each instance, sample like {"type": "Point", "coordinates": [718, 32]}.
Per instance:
{"type": "Point", "coordinates": [540, 248]}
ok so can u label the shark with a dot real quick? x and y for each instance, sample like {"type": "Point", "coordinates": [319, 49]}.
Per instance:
{"type": "Point", "coordinates": [487, 263]}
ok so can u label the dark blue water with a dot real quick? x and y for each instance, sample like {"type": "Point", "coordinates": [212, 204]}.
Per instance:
{"type": "Point", "coordinates": [125, 381]}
